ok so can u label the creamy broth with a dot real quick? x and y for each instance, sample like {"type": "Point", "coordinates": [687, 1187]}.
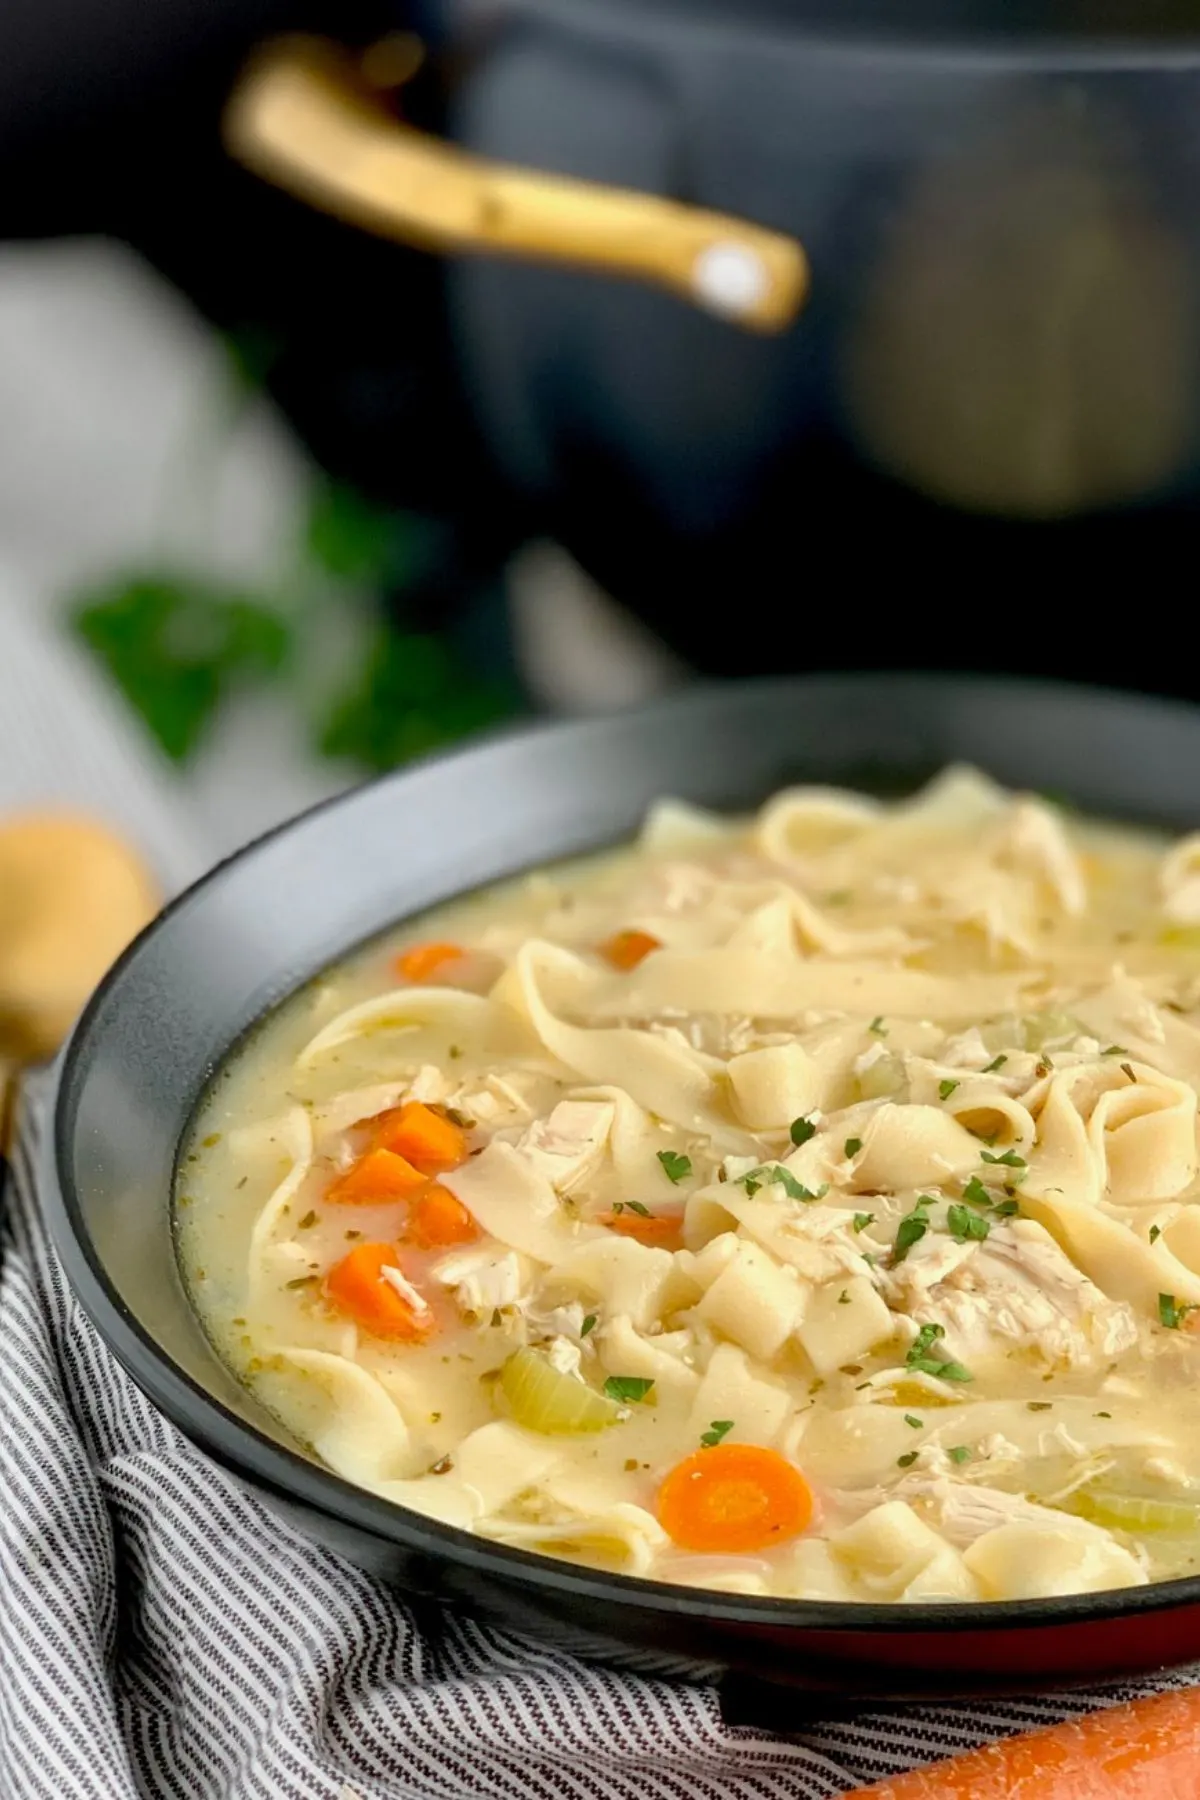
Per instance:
{"type": "Point", "coordinates": [803, 1206]}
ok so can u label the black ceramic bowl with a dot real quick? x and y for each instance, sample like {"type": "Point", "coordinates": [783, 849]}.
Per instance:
{"type": "Point", "coordinates": [265, 921]}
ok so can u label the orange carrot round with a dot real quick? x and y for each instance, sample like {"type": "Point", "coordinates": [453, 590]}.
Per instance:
{"type": "Point", "coordinates": [424, 1137]}
{"type": "Point", "coordinates": [734, 1498]}
{"type": "Point", "coordinates": [659, 1230]}
{"type": "Point", "coordinates": [420, 961]}
{"type": "Point", "coordinates": [359, 1287]}
{"type": "Point", "coordinates": [438, 1217]}
{"type": "Point", "coordinates": [376, 1178]}
{"type": "Point", "coordinates": [1146, 1750]}
{"type": "Point", "coordinates": [626, 949]}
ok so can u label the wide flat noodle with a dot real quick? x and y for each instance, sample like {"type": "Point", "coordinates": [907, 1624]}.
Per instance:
{"type": "Point", "coordinates": [664, 1077]}
{"type": "Point", "coordinates": [450, 1010]}
{"type": "Point", "coordinates": [756, 985]}
{"type": "Point", "coordinates": [349, 1418]}
{"type": "Point", "coordinates": [516, 1204]}
{"type": "Point", "coordinates": [296, 1141]}
{"type": "Point", "coordinates": [1121, 1014]}
{"type": "Point", "coordinates": [1104, 1137]}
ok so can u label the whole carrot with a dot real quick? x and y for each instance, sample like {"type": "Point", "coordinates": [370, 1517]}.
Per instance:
{"type": "Point", "coordinates": [1148, 1750]}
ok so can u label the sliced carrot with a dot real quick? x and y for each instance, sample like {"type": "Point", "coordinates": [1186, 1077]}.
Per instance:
{"type": "Point", "coordinates": [662, 1230]}
{"type": "Point", "coordinates": [627, 948]}
{"type": "Point", "coordinates": [359, 1287]}
{"type": "Point", "coordinates": [427, 1139]}
{"type": "Point", "coordinates": [1146, 1750]}
{"type": "Point", "coordinates": [420, 961]}
{"type": "Point", "coordinates": [376, 1178]}
{"type": "Point", "coordinates": [438, 1217]}
{"type": "Point", "coordinates": [734, 1498]}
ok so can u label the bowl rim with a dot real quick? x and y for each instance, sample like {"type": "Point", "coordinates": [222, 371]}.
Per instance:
{"type": "Point", "coordinates": [292, 1477]}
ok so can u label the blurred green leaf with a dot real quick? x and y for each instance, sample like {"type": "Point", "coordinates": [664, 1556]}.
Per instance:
{"type": "Point", "coordinates": [253, 352]}
{"type": "Point", "coordinates": [414, 694]}
{"type": "Point", "coordinates": [176, 645]}
{"type": "Point", "coordinates": [350, 538]}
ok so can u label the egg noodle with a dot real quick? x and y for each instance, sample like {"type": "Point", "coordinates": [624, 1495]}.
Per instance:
{"type": "Point", "coordinates": [805, 1206]}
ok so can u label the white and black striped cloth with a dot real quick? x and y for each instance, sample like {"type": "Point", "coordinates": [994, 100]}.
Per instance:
{"type": "Point", "coordinates": [162, 1635]}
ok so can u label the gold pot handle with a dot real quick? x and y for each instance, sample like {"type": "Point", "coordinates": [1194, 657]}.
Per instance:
{"type": "Point", "coordinates": [300, 118]}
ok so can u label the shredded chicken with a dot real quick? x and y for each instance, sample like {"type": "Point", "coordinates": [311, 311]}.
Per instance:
{"type": "Point", "coordinates": [396, 1279]}
{"type": "Point", "coordinates": [568, 1146]}
{"type": "Point", "coordinates": [565, 1321]}
{"type": "Point", "coordinates": [499, 1100]}
{"type": "Point", "coordinates": [483, 1279]}
{"type": "Point", "coordinates": [1017, 1287]}
{"type": "Point", "coordinates": [964, 1510]}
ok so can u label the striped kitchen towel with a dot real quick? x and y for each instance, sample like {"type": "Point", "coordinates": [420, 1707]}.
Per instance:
{"type": "Point", "coordinates": [163, 1635]}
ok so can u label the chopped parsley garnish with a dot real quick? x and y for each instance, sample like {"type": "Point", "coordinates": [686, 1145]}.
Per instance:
{"type": "Point", "coordinates": [907, 1460]}
{"type": "Point", "coordinates": [1011, 1159]}
{"type": "Point", "coordinates": [1104, 1415]}
{"type": "Point", "coordinates": [965, 1225]}
{"type": "Point", "coordinates": [911, 1230]}
{"type": "Point", "coordinates": [717, 1430]}
{"type": "Point", "coordinates": [676, 1168]}
{"type": "Point", "coordinates": [959, 1454]}
{"type": "Point", "coordinates": [800, 1130]}
{"type": "Point", "coordinates": [862, 1220]}
{"type": "Point", "coordinates": [309, 1220]}
{"type": "Point", "coordinates": [912, 1419]}
{"type": "Point", "coordinates": [635, 1206]}
{"type": "Point", "coordinates": [946, 1088]}
{"type": "Point", "coordinates": [301, 1281]}
{"type": "Point", "coordinates": [1155, 1233]}
{"type": "Point", "coordinates": [923, 1342]}
{"type": "Point", "coordinates": [997, 1062]}
{"type": "Point", "coordinates": [589, 1324]}
{"type": "Point", "coordinates": [768, 1173]}
{"type": "Point", "coordinates": [924, 1358]}
{"type": "Point", "coordinates": [628, 1388]}
{"type": "Point", "coordinates": [976, 1193]}
{"type": "Point", "coordinates": [1115, 1050]}
{"type": "Point", "coordinates": [1170, 1313]}
{"type": "Point", "coordinates": [852, 1146]}
{"type": "Point", "coordinates": [1038, 1405]}
{"type": "Point", "coordinates": [1004, 1209]}
{"type": "Point", "coordinates": [877, 1026]}
{"type": "Point", "coordinates": [843, 1298]}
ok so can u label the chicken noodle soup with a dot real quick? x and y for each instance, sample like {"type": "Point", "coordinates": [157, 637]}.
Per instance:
{"type": "Point", "coordinates": [806, 1206]}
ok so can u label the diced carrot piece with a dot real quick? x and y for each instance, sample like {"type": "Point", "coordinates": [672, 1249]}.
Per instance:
{"type": "Point", "coordinates": [627, 949]}
{"type": "Point", "coordinates": [428, 1139]}
{"type": "Point", "coordinates": [359, 1287]}
{"type": "Point", "coordinates": [376, 1178]}
{"type": "Point", "coordinates": [438, 1217]}
{"type": "Point", "coordinates": [732, 1499]}
{"type": "Point", "coordinates": [661, 1230]}
{"type": "Point", "coordinates": [420, 961]}
{"type": "Point", "coordinates": [1148, 1749]}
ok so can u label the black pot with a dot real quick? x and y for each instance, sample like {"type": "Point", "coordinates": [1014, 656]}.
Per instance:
{"type": "Point", "coordinates": [268, 919]}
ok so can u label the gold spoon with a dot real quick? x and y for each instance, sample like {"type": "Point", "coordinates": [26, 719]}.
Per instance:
{"type": "Point", "coordinates": [304, 116]}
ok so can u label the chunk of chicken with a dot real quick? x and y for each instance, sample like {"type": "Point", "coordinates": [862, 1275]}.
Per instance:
{"type": "Point", "coordinates": [484, 1279]}
{"type": "Point", "coordinates": [502, 1100]}
{"type": "Point", "coordinates": [1018, 1287]}
{"type": "Point", "coordinates": [567, 1147]}
{"type": "Point", "coordinates": [965, 1511]}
